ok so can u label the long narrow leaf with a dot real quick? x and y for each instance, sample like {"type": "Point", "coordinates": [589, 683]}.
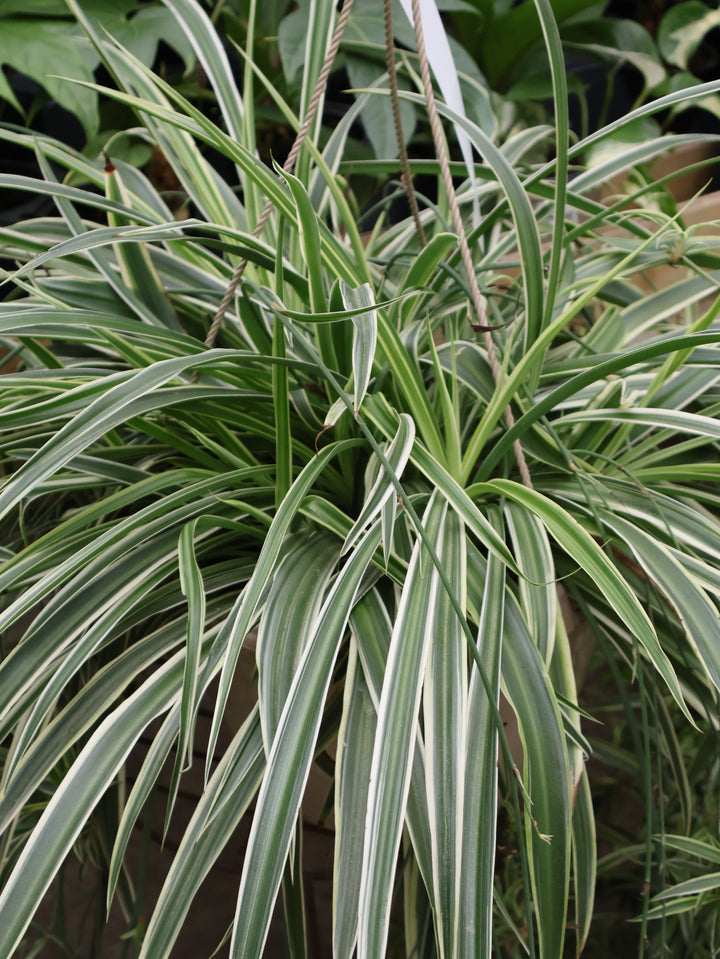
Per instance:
{"type": "Point", "coordinates": [546, 778]}
{"type": "Point", "coordinates": [578, 544]}
{"type": "Point", "coordinates": [354, 757]}
{"type": "Point", "coordinates": [697, 615]}
{"type": "Point", "coordinates": [138, 271]}
{"type": "Point", "coordinates": [364, 337]}
{"type": "Point", "coordinates": [81, 789]}
{"type": "Point", "coordinates": [479, 820]}
{"type": "Point", "coordinates": [584, 852]}
{"type": "Point", "coordinates": [210, 52]}
{"type": "Point", "coordinates": [100, 416]}
{"type": "Point", "coordinates": [191, 583]}
{"type": "Point", "coordinates": [445, 696]}
{"type": "Point", "coordinates": [398, 454]}
{"type": "Point", "coordinates": [372, 630]}
{"type": "Point", "coordinates": [229, 792]}
{"type": "Point", "coordinates": [292, 607]}
{"type": "Point", "coordinates": [241, 616]}
{"type": "Point", "coordinates": [394, 744]}
{"type": "Point", "coordinates": [310, 237]}
{"type": "Point", "coordinates": [290, 758]}
{"type": "Point", "coordinates": [143, 786]}
{"type": "Point", "coordinates": [537, 589]}
{"type": "Point", "coordinates": [84, 712]}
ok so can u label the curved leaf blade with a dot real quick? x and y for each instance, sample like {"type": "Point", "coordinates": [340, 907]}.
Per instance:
{"type": "Point", "coordinates": [479, 822]}
{"type": "Point", "coordinates": [290, 759]}
{"type": "Point", "coordinates": [395, 738]}
{"type": "Point", "coordinates": [364, 337]}
{"type": "Point", "coordinates": [546, 777]}
{"type": "Point", "coordinates": [83, 786]}
{"type": "Point", "coordinates": [354, 758]}
{"type": "Point", "coordinates": [225, 800]}
{"type": "Point", "coordinates": [445, 695]}
{"type": "Point", "coordinates": [398, 454]}
{"type": "Point", "coordinates": [578, 543]}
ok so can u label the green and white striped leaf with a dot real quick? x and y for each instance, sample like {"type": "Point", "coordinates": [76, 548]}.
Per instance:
{"type": "Point", "coordinates": [227, 796]}
{"type": "Point", "coordinates": [584, 854]}
{"type": "Point", "coordinates": [191, 583]}
{"type": "Point", "coordinates": [290, 758]}
{"type": "Point", "coordinates": [678, 421]}
{"type": "Point", "coordinates": [691, 887]}
{"type": "Point", "coordinates": [364, 337]}
{"type": "Point", "coordinates": [479, 816]}
{"type": "Point", "coordinates": [688, 602]}
{"type": "Point", "coordinates": [211, 53]}
{"type": "Point", "coordinates": [83, 786]}
{"type": "Point", "coordinates": [151, 95]}
{"type": "Point", "coordinates": [340, 316]}
{"type": "Point", "coordinates": [395, 739]}
{"type": "Point", "coordinates": [537, 589]}
{"type": "Point", "coordinates": [84, 712]}
{"type": "Point", "coordinates": [290, 615]}
{"type": "Point", "coordinates": [107, 411]}
{"type": "Point", "coordinates": [65, 635]}
{"type": "Point", "coordinates": [175, 497]}
{"type": "Point", "coordinates": [708, 851]}
{"type": "Point", "coordinates": [241, 617]}
{"type": "Point", "coordinates": [582, 548]}
{"type": "Point", "coordinates": [142, 788]}
{"type": "Point", "coordinates": [372, 629]}
{"type": "Point", "coordinates": [101, 259]}
{"type": "Point", "coordinates": [439, 477]}
{"type": "Point", "coordinates": [310, 237]}
{"type": "Point", "coordinates": [398, 454]}
{"type": "Point", "coordinates": [137, 269]}
{"type": "Point", "coordinates": [354, 756]}
{"type": "Point", "coordinates": [546, 776]}
{"type": "Point", "coordinates": [445, 696]}
{"type": "Point", "coordinates": [334, 413]}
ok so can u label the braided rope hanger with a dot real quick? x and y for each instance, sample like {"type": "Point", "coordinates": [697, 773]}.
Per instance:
{"type": "Point", "coordinates": [308, 120]}
{"type": "Point", "coordinates": [443, 159]}
{"type": "Point", "coordinates": [397, 121]}
{"type": "Point", "coordinates": [441, 151]}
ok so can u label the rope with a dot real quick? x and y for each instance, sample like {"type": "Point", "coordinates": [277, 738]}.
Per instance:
{"type": "Point", "coordinates": [308, 120]}
{"type": "Point", "coordinates": [478, 302]}
{"type": "Point", "coordinates": [397, 121]}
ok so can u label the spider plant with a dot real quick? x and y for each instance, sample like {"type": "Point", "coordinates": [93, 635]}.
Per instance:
{"type": "Point", "coordinates": [391, 496]}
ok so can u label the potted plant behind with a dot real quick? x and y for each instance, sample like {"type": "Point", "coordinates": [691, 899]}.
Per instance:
{"type": "Point", "coordinates": [387, 483]}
